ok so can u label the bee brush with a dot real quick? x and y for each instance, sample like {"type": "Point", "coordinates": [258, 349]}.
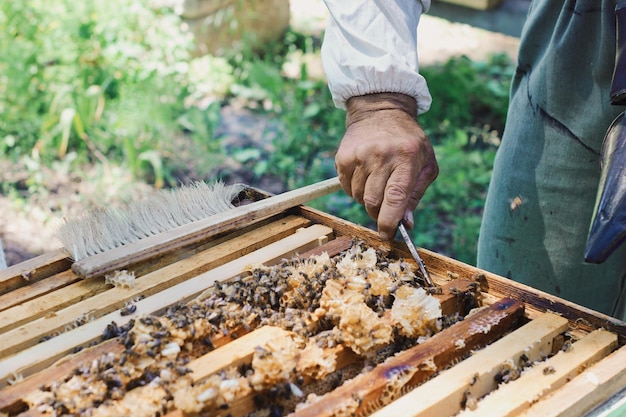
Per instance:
{"type": "Point", "coordinates": [109, 239]}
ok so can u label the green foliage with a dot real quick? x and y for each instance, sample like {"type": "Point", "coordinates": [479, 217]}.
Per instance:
{"type": "Point", "coordinates": [114, 83]}
{"type": "Point", "coordinates": [467, 93]}
{"type": "Point", "coordinates": [307, 125]}
{"type": "Point", "coordinates": [448, 217]}
{"type": "Point", "coordinates": [103, 79]}
{"type": "Point", "coordinates": [467, 116]}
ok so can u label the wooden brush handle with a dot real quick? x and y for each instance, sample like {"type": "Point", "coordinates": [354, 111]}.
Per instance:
{"type": "Point", "coordinates": [119, 258]}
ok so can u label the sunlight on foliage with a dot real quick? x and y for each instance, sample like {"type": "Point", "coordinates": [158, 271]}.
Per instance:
{"type": "Point", "coordinates": [96, 78]}
{"type": "Point", "coordinates": [114, 84]}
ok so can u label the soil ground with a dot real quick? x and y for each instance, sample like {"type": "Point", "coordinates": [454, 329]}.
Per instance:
{"type": "Point", "coordinates": [28, 225]}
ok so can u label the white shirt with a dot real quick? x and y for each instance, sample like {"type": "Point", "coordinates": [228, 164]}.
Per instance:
{"type": "Point", "coordinates": [370, 46]}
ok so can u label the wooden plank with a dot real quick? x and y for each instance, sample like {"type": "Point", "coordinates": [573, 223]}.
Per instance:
{"type": "Point", "coordinates": [214, 362]}
{"type": "Point", "coordinates": [332, 248]}
{"type": "Point", "coordinates": [536, 301]}
{"type": "Point", "coordinates": [185, 235]}
{"type": "Point", "coordinates": [512, 398]}
{"type": "Point", "coordinates": [346, 228]}
{"type": "Point", "coordinates": [236, 353]}
{"type": "Point", "coordinates": [33, 270]}
{"type": "Point", "coordinates": [241, 350]}
{"type": "Point", "coordinates": [143, 268]}
{"type": "Point", "coordinates": [48, 304]}
{"type": "Point", "coordinates": [245, 405]}
{"type": "Point", "coordinates": [451, 299]}
{"type": "Point", "coordinates": [11, 395]}
{"type": "Point", "coordinates": [406, 369]}
{"type": "Point", "coordinates": [66, 276]}
{"type": "Point", "coordinates": [63, 307]}
{"type": "Point", "coordinates": [582, 319]}
{"type": "Point", "coordinates": [588, 390]}
{"type": "Point", "coordinates": [36, 289]}
{"type": "Point", "coordinates": [475, 376]}
{"type": "Point", "coordinates": [29, 358]}
{"type": "Point", "coordinates": [440, 266]}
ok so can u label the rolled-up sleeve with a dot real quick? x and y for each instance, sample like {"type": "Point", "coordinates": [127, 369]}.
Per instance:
{"type": "Point", "coordinates": [371, 47]}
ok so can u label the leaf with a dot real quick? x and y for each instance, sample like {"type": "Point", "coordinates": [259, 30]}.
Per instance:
{"type": "Point", "coordinates": [312, 110]}
{"type": "Point", "coordinates": [65, 122]}
{"type": "Point", "coordinates": [79, 126]}
{"type": "Point", "coordinates": [260, 168]}
{"type": "Point", "coordinates": [154, 159]}
{"type": "Point", "coordinates": [246, 154]}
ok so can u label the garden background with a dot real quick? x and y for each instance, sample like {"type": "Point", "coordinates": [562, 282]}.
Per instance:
{"type": "Point", "coordinates": [103, 102]}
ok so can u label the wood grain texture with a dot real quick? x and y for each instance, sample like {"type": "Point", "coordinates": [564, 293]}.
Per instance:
{"type": "Point", "coordinates": [32, 290]}
{"type": "Point", "coordinates": [30, 321]}
{"type": "Point", "coordinates": [10, 398]}
{"type": "Point", "coordinates": [495, 286]}
{"type": "Point", "coordinates": [592, 387]}
{"type": "Point", "coordinates": [413, 366]}
{"type": "Point", "coordinates": [516, 396]}
{"type": "Point", "coordinates": [583, 390]}
{"type": "Point", "coordinates": [11, 395]}
{"type": "Point", "coordinates": [476, 375]}
{"type": "Point", "coordinates": [33, 270]}
{"type": "Point", "coordinates": [58, 274]}
{"type": "Point", "coordinates": [29, 357]}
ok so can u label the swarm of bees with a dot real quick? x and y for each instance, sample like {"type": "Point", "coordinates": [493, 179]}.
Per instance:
{"type": "Point", "coordinates": [360, 300]}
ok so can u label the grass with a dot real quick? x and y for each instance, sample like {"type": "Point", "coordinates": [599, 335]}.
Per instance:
{"type": "Point", "coordinates": [115, 85]}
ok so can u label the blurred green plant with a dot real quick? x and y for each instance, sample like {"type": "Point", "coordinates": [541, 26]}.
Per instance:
{"type": "Point", "coordinates": [107, 80]}
{"type": "Point", "coordinates": [467, 94]}
{"type": "Point", "coordinates": [115, 83]}
{"type": "Point", "coordinates": [307, 127]}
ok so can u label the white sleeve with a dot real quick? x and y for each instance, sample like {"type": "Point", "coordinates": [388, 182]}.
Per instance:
{"type": "Point", "coordinates": [370, 46]}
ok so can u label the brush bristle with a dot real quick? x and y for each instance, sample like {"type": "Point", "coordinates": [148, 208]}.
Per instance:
{"type": "Point", "coordinates": [102, 229]}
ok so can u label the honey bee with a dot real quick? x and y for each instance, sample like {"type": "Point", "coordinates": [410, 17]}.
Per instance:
{"type": "Point", "coordinates": [434, 290]}
{"type": "Point", "coordinates": [516, 202]}
{"type": "Point", "coordinates": [129, 308]}
{"type": "Point", "coordinates": [548, 370]}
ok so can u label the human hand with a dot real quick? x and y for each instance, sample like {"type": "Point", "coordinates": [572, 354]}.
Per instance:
{"type": "Point", "coordinates": [385, 161]}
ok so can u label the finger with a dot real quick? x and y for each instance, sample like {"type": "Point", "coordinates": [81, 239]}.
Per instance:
{"type": "Point", "coordinates": [426, 177]}
{"type": "Point", "coordinates": [408, 219]}
{"type": "Point", "coordinates": [374, 192]}
{"type": "Point", "coordinates": [395, 203]}
{"type": "Point", "coordinates": [359, 178]}
{"type": "Point", "coordinates": [345, 175]}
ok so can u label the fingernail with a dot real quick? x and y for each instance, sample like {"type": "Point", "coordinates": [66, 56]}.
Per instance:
{"type": "Point", "coordinates": [408, 219]}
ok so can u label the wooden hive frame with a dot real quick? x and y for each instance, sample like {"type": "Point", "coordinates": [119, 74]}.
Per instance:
{"type": "Point", "coordinates": [43, 297]}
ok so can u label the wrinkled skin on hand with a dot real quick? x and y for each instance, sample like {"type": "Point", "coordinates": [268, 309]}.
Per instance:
{"type": "Point", "coordinates": [385, 161]}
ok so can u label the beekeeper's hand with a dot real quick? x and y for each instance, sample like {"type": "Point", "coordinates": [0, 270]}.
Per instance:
{"type": "Point", "coordinates": [385, 161]}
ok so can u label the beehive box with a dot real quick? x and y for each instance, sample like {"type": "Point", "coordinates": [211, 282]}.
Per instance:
{"type": "Point", "coordinates": [219, 328]}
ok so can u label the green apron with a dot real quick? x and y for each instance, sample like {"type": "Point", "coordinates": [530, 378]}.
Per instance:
{"type": "Point", "coordinates": [546, 172]}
